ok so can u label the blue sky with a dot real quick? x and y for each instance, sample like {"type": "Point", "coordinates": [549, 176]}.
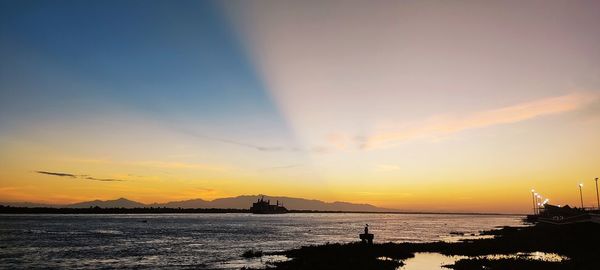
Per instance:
{"type": "Point", "coordinates": [166, 60]}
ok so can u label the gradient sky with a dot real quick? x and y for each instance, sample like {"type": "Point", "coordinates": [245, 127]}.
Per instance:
{"type": "Point", "coordinates": [414, 105]}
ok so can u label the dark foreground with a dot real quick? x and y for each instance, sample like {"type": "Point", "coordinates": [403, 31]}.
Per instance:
{"type": "Point", "coordinates": [579, 242]}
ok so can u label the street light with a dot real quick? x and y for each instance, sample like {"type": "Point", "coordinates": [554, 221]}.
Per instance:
{"type": "Point", "coordinates": [537, 195]}
{"type": "Point", "coordinates": [533, 197]}
{"type": "Point", "coordinates": [597, 197]}
{"type": "Point", "coordinates": [581, 194]}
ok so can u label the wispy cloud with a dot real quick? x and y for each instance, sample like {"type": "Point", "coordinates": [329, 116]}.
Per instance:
{"type": "Point", "coordinates": [249, 145]}
{"type": "Point", "coordinates": [261, 148]}
{"type": "Point", "coordinates": [281, 167]}
{"type": "Point", "coordinates": [103, 179]}
{"type": "Point", "coordinates": [155, 164]}
{"type": "Point", "coordinates": [447, 124]}
{"type": "Point", "coordinates": [177, 165]}
{"type": "Point", "coordinates": [387, 167]}
{"type": "Point", "coordinates": [57, 174]}
{"type": "Point", "coordinates": [317, 149]}
{"type": "Point", "coordinates": [80, 176]}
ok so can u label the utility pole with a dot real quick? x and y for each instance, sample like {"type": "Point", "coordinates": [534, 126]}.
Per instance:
{"type": "Point", "coordinates": [597, 197]}
{"type": "Point", "coordinates": [533, 197]}
{"type": "Point", "coordinates": [581, 195]}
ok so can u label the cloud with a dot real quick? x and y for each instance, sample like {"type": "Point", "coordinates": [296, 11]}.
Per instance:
{"type": "Point", "coordinates": [387, 167]}
{"type": "Point", "coordinates": [445, 125]}
{"type": "Point", "coordinates": [177, 165]}
{"type": "Point", "coordinates": [154, 164]}
{"type": "Point", "coordinates": [57, 174]}
{"type": "Point", "coordinates": [281, 167]}
{"type": "Point", "coordinates": [260, 148]}
{"type": "Point", "coordinates": [103, 179]}
{"type": "Point", "coordinates": [81, 176]}
{"type": "Point", "coordinates": [2, 189]}
{"type": "Point", "coordinates": [248, 145]}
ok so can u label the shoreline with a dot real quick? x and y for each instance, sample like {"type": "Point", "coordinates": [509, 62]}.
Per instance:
{"type": "Point", "coordinates": [576, 242]}
{"type": "Point", "coordinates": [163, 210]}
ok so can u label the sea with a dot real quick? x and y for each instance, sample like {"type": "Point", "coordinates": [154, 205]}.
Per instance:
{"type": "Point", "coordinates": [209, 241]}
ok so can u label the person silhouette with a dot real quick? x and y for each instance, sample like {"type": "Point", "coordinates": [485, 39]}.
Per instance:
{"type": "Point", "coordinates": [366, 238]}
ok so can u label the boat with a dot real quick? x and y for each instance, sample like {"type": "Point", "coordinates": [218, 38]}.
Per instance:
{"type": "Point", "coordinates": [262, 206]}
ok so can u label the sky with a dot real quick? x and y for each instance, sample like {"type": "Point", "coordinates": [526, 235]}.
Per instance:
{"type": "Point", "coordinates": [411, 105]}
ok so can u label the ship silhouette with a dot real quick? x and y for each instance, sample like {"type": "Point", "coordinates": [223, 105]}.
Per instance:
{"type": "Point", "coordinates": [262, 206]}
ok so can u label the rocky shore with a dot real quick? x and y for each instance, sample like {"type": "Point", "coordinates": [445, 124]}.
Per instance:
{"type": "Point", "coordinates": [578, 244]}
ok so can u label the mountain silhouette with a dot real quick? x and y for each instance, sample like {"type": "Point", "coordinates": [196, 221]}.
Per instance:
{"type": "Point", "coordinates": [194, 203]}
{"type": "Point", "coordinates": [118, 203]}
{"type": "Point", "coordinates": [239, 202]}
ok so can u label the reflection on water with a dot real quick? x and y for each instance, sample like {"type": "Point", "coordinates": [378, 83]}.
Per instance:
{"type": "Point", "coordinates": [537, 256]}
{"type": "Point", "coordinates": [427, 261]}
{"type": "Point", "coordinates": [542, 256]}
{"type": "Point", "coordinates": [216, 241]}
{"type": "Point", "coordinates": [431, 261]}
{"type": "Point", "coordinates": [254, 263]}
{"type": "Point", "coordinates": [453, 238]}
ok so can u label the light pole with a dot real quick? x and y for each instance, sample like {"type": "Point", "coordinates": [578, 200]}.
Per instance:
{"type": "Point", "coordinates": [538, 201]}
{"type": "Point", "coordinates": [597, 197]}
{"type": "Point", "coordinates": [535, 200]}
{"type": "Point", "coordinates": [581, 195]}
{"type": "Point", "coordinates": [533, 197]}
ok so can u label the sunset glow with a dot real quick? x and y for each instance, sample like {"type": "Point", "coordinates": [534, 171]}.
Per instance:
{"type": "Point", "coordinates": [404, 105]}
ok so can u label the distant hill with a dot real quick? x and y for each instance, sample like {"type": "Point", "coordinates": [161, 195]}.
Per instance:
{"type": "Point", "coordinates": [239, 202]}
{"type": "Point", "coordinates": [118, 203]}
{"type": "Point", "coordinates": [29, 204]}
{"type": "Point", "coordinates": [195, 203]}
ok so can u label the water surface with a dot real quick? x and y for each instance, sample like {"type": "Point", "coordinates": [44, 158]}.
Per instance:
{"type": "Point", "coordinates": [213, 241]}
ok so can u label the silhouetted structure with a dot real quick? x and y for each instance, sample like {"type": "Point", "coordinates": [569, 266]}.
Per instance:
{"type": "Point", "coordinates": [552, 214]}
{"type": "Point", "coordinates": [366, 238]}
{"type": "Point", "coordinates": [263, 206]}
